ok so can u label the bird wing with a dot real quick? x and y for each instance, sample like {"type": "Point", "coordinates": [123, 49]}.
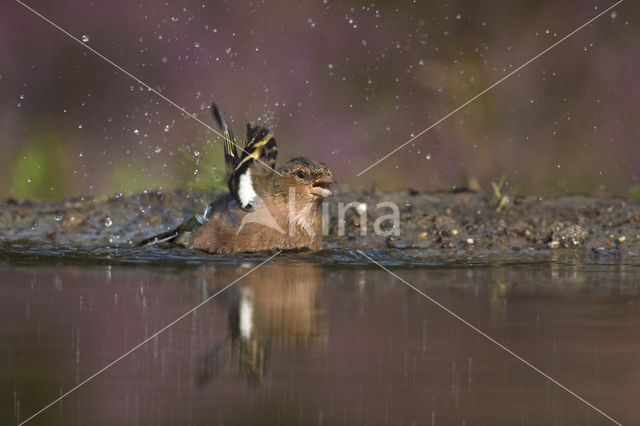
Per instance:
{"type": "Point", "coordinates": [231, 158]}
{"type": "Point", "coordinates": [260, 146]}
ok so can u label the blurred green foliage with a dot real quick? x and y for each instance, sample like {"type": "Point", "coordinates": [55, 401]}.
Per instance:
{"type": "Point", "coordinates": [130, 177]}
{"type": "Point", "coordinates": [40, 168]}
{"type": "Point", "coordinates": [197, 167]}
{"type": "Point", "coordinates": [205, 160]}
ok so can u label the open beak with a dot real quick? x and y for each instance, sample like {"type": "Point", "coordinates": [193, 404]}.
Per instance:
{"type": "Point", "coordinates": [321, 186]}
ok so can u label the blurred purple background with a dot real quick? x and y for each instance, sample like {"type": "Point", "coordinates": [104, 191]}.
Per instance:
{"type": "Point", "coordinates": [338, 81]}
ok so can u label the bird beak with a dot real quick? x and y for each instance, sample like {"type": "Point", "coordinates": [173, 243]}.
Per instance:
{"type": "Point", "coordinates": [321, 186]}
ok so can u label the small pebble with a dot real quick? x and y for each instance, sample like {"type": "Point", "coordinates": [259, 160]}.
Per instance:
{"type": "Point", "coordinates": [73, 219]}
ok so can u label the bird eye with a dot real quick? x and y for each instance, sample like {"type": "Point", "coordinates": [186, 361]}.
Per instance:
{"type": "Point", "coordinates": [302, 174]}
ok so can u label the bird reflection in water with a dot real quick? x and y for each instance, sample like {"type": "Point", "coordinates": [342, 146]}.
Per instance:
{"type": "Point", "coordinates": [276, 304]}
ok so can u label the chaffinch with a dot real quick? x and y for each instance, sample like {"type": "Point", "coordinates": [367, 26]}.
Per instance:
{"type": "Point", "coordinates": [266, 207]}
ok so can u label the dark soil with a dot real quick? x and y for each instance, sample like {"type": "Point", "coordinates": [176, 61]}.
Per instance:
{"type": "Point", "coordinates": [463, 223]}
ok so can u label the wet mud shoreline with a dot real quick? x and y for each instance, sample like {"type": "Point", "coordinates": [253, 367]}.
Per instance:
{"type": "Point", "coordinates": [463, 223]}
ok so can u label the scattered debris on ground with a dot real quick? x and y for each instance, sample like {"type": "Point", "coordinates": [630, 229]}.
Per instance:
{"type": "Point", "coordinates": [463, 222]}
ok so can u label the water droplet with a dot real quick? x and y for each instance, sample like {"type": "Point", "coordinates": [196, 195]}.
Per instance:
{"type": "Point", "coordinates": [59, 217]}
{"type": "Point", "coordinates": [167, 128]}
{"type": "Point", "coordinates": [428, 157]}
{"type": "Point", "coordinates": [164, 59]}
{"type": "Point", "coordinates": [614, 14]}
{"type": "Point", "coordinates": [21, 96]}
{"type": "Point", "coordinates": [330, 66]}
{"type": "Point", "coordinates": [29, 180]}
{"type": "Point", "coordinates": [458, 16]}
{"type": "Point", "coordinates": [158, 149]}
{"type": "Point", "coordinates": [196, 44]}
{"type": "Point", "coordinates": [407, 203]}
{"type": "Point", "coordinates": [85, 38]}
{"type": "Point", "coordinates": [80, 126]}
{"type": "Point", "coordinates": [136, 132]}
{"type": "Point", "coordinates": [196, 153]}
{"type": "Point", "coordinates": [108, 222]}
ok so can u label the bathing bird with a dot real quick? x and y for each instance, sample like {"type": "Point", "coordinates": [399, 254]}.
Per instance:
{"type": "Point", "coordinates": [267, 207]}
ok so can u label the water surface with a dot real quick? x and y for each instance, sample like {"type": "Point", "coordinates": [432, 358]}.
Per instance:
{"type": "Point", "coordinates": [315, 339]}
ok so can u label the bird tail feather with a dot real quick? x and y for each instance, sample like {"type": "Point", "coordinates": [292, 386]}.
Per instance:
{"type": "Point", "coordinates": [169, 236]}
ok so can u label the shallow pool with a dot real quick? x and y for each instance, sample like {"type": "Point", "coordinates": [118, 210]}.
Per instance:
{"type": "Point", "coordinates": [315, 339]}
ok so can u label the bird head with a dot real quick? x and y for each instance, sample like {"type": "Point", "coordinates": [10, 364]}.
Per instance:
{"type": "Point", "coordinates": [310, 179]}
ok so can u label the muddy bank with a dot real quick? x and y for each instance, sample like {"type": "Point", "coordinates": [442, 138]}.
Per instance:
{"type": "Point", "coordinates": [459, 223]}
